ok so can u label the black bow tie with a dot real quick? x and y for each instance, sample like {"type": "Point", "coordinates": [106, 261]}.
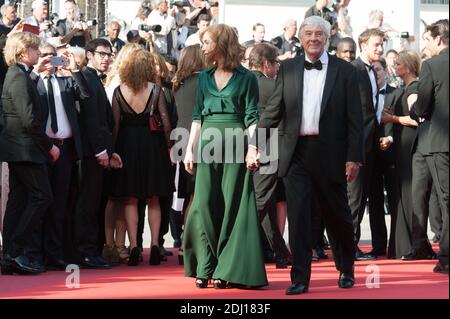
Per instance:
{"type": "Point", "coordinates": [102, 76]}
{"type": "Point", "coordinates": [316, 65]}
{"type": "Point", "coordinates": [370, 67]}
{"type": "Point", "coordinates": [383, 91]}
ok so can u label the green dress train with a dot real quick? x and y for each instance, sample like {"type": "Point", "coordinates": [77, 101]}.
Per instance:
{"type": "Point", "coordinates": [221, 235]}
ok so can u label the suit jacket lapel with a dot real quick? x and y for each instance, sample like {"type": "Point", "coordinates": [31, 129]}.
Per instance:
{"type": "Point", "coordinates": [330, 79]}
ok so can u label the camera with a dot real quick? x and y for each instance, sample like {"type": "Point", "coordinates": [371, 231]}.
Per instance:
{"type": "Point", "coordinates": [148, 28]}
{"type": "Point", "coordinates": [146, 9]}
{"type": "Point", "coordinates": [179, 3]}
{"type": "Point", "coordinates": [91, 23]}
{"type": "Point", "coordinates": [404, 35]}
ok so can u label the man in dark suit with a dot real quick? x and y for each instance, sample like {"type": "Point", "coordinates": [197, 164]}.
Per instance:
{"type": "Point", "coordinates": [433, 105]}
{"type": "Point", "coordinates": [383, 175]}
{"type": "Point", "coordinates": [371, 46]}
{"type": "Point", "coordinates": [58, 96]}
{"type": "Point", "coordinates": [319, 117]}
{"type": "Point", "coordinates": [96, 123]}
{"type": "Point", "coordinates": [264, 64]}
{"type": "Point", "coordinates": [26, 148]}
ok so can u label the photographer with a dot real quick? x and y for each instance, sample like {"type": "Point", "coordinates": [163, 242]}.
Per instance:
{"type": "Point", "coordinates": [288, 44]}
{"type": "Point", "coordinates": [141, 19]}
{"type": "Point", "coordinates": [165, 17]}
{"type": "Point", "coordinates": [39, 19]}
{"type": "Point", "coordinates": [113, 36]}
{"type": "Point", "coordinates": [9, 18]}
{"type": "Point", "coordinates": [72, 31]}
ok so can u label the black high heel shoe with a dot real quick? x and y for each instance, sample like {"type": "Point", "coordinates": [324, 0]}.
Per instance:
{"type": "Point", "coordinates": [155, 257]}
{"type": "Point", "coordinates": [219, 284]}
{"type": "Point", "coordinates": [201, 283]}
{"type": "Point", "coordinates": [133, 260]}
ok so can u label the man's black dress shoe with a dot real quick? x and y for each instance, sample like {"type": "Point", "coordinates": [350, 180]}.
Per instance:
{"type": "Point", "coordinates": [94, 262]}
{"type": "Point", "coordinates": [282, 263]}
{"type": "Point", "coordinates": [419, 255]}
{"type": "Point", "coordinates": [346, 280]}
{"type": "Point", "coordinates": [321, 253]}
{"type": "Point", "coordinates": [56, 264]}
{"type": "Point", "coordinates": [20, 265]}
{"type": "Point", "coordinates": [39, 266]}
{"type": "Point", "coordinates": [364, 256]}
{"type": "Point", "coordinates": [440, 268]}
{"type": "Point", "coordinates": [297, 289]}
{"type": "Point", "coordinates": [377, 253]}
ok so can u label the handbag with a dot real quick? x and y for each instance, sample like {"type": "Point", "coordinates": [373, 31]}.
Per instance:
{"type": "Point", "coordinates": [155, 123]}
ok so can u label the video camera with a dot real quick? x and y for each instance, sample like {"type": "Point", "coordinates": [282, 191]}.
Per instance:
{"type": "Point", "coordinates": [186, 3]}
{"type": "Point", "coordinates": [148, 28]}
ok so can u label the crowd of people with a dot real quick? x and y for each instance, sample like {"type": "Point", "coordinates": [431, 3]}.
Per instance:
{"type": "Point", "coordinates": [87, 144]}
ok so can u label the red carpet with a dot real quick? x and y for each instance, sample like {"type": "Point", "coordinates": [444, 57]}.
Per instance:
{"type": "Point", "coordinates": [398, 280]}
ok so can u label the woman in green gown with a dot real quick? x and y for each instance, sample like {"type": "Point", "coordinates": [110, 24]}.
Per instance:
{"type": "Point", "coordinates": [221, 237]}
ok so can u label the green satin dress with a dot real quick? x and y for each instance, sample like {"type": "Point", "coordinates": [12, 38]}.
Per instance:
{"type": "Point", "coordinates": [221, 235]}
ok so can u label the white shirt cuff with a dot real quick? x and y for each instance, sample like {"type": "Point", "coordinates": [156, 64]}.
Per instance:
{"type": "Point", "coordinates": [390, 138]}
{"type": "Point", "coordinates": [100, 154]}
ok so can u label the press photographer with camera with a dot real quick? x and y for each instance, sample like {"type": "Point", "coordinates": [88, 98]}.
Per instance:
{"type": "Point", "coordinates": [145, 8]}
{"type": "Point", "coordinates": [164, 17]}
{"type": "Point", "coordinates": [113, 36]}
{"type": "Point", "coordinates": [40, 19]}
{"type": "Point", "coordinates": [288, 44]}
{"type": "Point", "coordinates": [9, 18]}
{"type": "Point", "coordinates": [71, 29]}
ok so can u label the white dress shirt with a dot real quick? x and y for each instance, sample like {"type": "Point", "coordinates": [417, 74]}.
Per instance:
{"type": "Point", "coordinates": [313, 85]}
{"type": "Point", "coordinates": [373, 83]}
{"type": "Point", "coordinates": [193, 39]}
{"type": "Point", "coordinates": [64, 128]}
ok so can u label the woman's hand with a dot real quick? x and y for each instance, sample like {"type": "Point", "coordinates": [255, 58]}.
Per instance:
{"type": "Point", "coordinates": [189, 162]}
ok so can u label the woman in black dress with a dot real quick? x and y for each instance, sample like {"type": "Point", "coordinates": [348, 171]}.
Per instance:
{"type": "Point", "coordinates": [144, 152]}
{"type": "Point", "coordinates": [190, 64]}
{"type": "Point", "coordinates": [407, 67]}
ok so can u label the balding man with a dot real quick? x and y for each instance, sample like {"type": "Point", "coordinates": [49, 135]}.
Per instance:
{"type": "Point", "coordinates": [113, 36]}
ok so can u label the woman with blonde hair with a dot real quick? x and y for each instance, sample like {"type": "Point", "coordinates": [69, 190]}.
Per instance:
{"type": "Point", "coordinates": [142, 147]}
{"type": "Point", "coordinates": [221, 238]}
{"type": "Point", "coordinates": [407, 68]}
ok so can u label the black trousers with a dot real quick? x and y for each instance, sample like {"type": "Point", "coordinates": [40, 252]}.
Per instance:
{"type": "Point", "coordinates": [435, 215]}
{"type": "Point", "coordinates": [86, 217]}
{"type": "Point", "coordinates": [358, 193]}
{"type": "Point", "coordinates": [265, 186]}
{"type": "Point", "coordinates": [48, 238]}
{"type": "Point", "coordinates": [422, 183]}
{"type": "Point", "coordinates": [438, 164]}
{"type": "Point", "coordinates": [30, 195]}
{"type": "Point", "coordinates": [306, 182]}
{"type": "Point", "coordinates": [383, 177]}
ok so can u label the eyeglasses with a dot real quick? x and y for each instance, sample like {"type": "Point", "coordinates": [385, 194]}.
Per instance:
{"type": "Point", "coordinates": [104, 54]}
{"type": "Point", "coordinates": [43, 55]}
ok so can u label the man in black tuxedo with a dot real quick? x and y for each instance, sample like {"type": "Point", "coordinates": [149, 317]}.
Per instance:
{"type": "Point", "coordinates": [96, 123]}
{"type": "Point", "coordinates": [27, 149]}
{"type": "Point", "coordinates": [371, 46]}
{"type": "Point", "coordinates": [433, 105]}
{"type": "Point", "coordinates": [383, 175]}
{"type": "Point", "coordinates": [264, 64]}
{"type": "Point", "coordinates": [58, 96]}
{"type": "Point", "coordinates": [319, 117]}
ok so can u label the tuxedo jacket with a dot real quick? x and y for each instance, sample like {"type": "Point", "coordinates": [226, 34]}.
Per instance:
{"type": "Point", "coordinates": [340, 125]}
{"type": "Point", "coordinates": [72, 89]}
{"type": "Point", "coordinates": [96, 119]}
{"type": "Point", "coordinates": [23, 137]}
{"type": "Point", "coordinates": [368, 109]}
{"type": "Point", "coordinates": [433, 104]}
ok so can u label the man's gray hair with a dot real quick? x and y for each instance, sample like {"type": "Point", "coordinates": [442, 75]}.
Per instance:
{"type": "Point", "coordinates": [375, 15]}
{"type": "Point", "coordinates": [317, 22]}
{"type": "Point", "coordinates": [37, 3]}
{"type": "Point", "coordinates": [4, 7]}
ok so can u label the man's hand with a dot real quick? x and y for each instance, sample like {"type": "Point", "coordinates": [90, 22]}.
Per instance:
{"type": "Point", "coordinates": [71, 63]}
{"type": "Point", "coordinates": [103, 160]}
{"type": "Point", "coordinates": [252, 158]}
{"type": "Point", "coordinates": [115, 161]}
{"type": "Point", "coordinates": [351, 170]}
{"type": "Point", "coordinates": [44, 26]}
{"type": "Point", "coordinates": [385, 143]}
{"type": "Point", "coordinates": [43, 64]}
{"type": "Point", "coordinates": [54, 153]}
